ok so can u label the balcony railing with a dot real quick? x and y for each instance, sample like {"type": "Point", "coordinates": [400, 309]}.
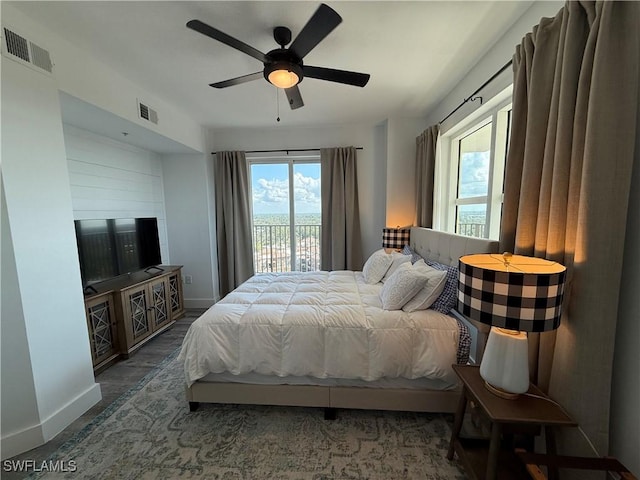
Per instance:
{"type": "Point", "coordinates": [471, 229]}
{"type": "Point", "coordinates": [272, 248]}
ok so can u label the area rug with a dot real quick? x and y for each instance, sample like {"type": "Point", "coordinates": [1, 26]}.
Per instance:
{"type": "Point", "coordinates": [149, 433]}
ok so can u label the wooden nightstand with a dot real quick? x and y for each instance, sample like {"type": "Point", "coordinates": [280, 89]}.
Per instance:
{"type": "Point", "coordinates": [528, 411]}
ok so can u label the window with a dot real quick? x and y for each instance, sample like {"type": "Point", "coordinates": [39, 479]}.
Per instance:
{"type": "Point", "coordinates": [474, 154]}
{"type": "Point", "coordinates": [286, 214]}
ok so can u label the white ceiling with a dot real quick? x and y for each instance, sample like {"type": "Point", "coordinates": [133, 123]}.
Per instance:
{"type": "Point", "coordinates": [415, 52]}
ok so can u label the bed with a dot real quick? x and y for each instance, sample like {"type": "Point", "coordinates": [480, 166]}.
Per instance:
{"type": "Point", "coordinates": [329, 343]}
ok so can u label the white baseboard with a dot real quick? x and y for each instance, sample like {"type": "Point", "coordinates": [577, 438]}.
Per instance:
{"type": "Point", "coordinates": [31, 437]}
{"type": "Point", "coordinates": [22, 441]}
{"type": "Point", "coordinates": [60, 420]}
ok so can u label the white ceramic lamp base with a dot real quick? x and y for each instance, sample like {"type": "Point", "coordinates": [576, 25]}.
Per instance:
{"type": "Point", "coordinates": [505, 363]}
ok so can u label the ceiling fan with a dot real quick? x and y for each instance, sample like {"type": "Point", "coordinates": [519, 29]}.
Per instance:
{"type": "Point", "coordinates": [283, 67]}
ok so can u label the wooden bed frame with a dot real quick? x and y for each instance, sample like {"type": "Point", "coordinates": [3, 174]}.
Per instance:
{"type": "Point", "coordinates": [442, 247]}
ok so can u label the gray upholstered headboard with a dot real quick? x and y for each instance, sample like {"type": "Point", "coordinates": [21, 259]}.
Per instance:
{"type": "Point", "coordinates": [447, 248]}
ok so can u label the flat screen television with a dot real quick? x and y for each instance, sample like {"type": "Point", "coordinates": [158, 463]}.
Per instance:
{"type": "Point", "coordinates": [115, 246]}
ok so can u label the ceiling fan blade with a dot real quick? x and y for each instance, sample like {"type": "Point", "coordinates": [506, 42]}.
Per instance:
{"type": "Point", "coordinates": [216, 34]}
{"type": "Point", "coordinates": [319, 26]}
{"type": "Point", "coordinates": [237, 81]}
{"type": "Point", "coordinates": [294, 97]}
{"type": "Point", "coordinates": [339, 76]}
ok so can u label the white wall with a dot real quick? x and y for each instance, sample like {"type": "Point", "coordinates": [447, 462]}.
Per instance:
{"type": "Point", "coordinates": [189, 221]}
{"type": "Point", "coordinates": [111, 179]}
{"type": "Point", "coordinates": [401, 170]}
{"type": "Point", "coordinates": [47, 274]}
{"type": "Point", "coordinates": [377, 182]}
{"type": "Point", "coordinates": [18, 389]}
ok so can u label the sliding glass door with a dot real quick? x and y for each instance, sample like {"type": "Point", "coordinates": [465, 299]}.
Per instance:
{"type": "Point", "coordinates": [286, 215]}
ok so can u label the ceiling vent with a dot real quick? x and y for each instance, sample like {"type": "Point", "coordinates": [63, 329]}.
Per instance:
{"type": "Point", "coordinates": [22, 50]}
{"type": "Point", "coordinates": [147, 113]}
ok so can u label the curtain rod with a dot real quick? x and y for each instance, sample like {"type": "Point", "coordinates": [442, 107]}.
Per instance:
{"type": "Point", "coordinates": [472, 97]}
{"type": "Point", "coordinates": [287, 150]}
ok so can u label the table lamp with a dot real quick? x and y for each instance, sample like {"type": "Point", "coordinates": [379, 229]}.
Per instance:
{"type": "Point", "coordinates": [514, 294]}
{"type": "Point", "coordinates": [395, 238]}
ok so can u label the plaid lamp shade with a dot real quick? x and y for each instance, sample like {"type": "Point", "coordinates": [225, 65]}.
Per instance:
{"type": "Point", "coordinates": [511, 291]}
{"type": "Point", "coordinates": [395, 237]}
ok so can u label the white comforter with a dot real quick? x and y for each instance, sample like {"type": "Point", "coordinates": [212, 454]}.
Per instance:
{"type": "Point", "coordinates": [320, 324]}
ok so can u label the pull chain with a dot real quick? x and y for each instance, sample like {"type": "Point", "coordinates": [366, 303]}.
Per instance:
{"type": "Point", "coordinates": [277, 103]}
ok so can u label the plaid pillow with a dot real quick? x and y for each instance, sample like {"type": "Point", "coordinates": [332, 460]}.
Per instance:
{"type": "Point", "coordinates": [407, 250]}
{"type": "Point", "coordinates": [464, 344]}
{"type": "Point", "coordinates": [449, 296]}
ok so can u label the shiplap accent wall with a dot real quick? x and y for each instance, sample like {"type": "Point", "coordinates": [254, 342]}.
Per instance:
{"type": "Point", "coordinates": [111, 179]}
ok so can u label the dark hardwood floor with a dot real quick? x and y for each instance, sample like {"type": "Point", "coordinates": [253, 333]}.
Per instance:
{"type": "Point", "coordinates": [114, 381]}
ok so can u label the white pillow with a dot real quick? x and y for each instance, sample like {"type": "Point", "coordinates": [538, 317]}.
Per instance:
{"type": "Point", "coordinates": [422, 300]}
{"type": "Point", "coordinates": [405, 282]}
{"type": "Point", "coordinates": [397, 259]}
{"type": "Point", "coordinates": [376, 266]}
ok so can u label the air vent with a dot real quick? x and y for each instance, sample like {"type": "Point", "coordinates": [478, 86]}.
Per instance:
{"type": "Point", "coordinates": [40, 58]}
{"type": "Point", "coordinates": [147, 113]}
{"type": "Point", "coordinates": [17, 47]}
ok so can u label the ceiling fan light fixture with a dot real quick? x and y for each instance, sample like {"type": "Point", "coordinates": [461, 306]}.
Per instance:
{"type": "Point", "coordinates": [283, 74]}
{"type": "Point", "coordinates": [283, 78]}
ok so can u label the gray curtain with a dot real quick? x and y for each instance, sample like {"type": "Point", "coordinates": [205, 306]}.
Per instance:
{"type": "Point", "coordinates": [233, 220]}
{"type": "Point", "coordinates": [425, 163]}
{"type": "Point", "coordinates": [575, 121]}
{"type": "Point", "coordinates": [341, 243]}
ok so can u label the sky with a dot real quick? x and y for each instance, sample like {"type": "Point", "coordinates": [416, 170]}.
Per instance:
{"type": "Point", "coordinates": [474, 180]}
{"type": "Point", "coordinates": [270, 188]}
{"type": "Point", "coordinates": [474, 174]}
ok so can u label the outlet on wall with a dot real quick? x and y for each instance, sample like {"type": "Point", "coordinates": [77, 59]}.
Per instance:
{"type": "Point", "coordinates": [188, 279]}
